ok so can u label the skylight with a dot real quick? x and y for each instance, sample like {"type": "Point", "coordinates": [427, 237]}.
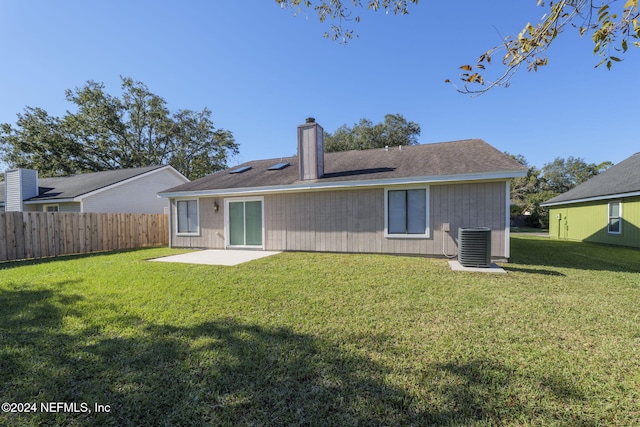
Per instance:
{"type": "Point", "coordinates": [278, 166]}
{"type": "Point", "coordinates": [240, 170]}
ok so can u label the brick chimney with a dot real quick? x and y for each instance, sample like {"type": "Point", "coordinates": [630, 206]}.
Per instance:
{"type": "Point", "coordinates": [311, 150]}
{"type": "Point", "coordinates": [19, 185]}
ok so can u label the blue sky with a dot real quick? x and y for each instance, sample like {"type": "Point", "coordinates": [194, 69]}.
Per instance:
{"type": "Point", "coordinates": [262, 71]}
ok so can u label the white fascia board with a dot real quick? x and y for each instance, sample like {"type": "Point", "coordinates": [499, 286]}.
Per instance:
{"type": "Point", "coordinates": [593, 199]}
{"type": "Point", "coordinates": [345, 184]}
{"type": "Point", "coordinates": [50, 201]}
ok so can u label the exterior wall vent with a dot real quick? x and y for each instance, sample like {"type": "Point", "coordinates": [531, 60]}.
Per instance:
{"type": "Point", "coordinates": [474, 246]}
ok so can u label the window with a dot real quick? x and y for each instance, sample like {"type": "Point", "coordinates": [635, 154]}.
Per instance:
{"type": "Point", "coordinates": [407, 213]}
{"type": "Point", "coordinates": [187, 216]}
{"type": "Point", "coordinates": [50, 208]}
{"type": "Point", "coordinates": [615, 217]}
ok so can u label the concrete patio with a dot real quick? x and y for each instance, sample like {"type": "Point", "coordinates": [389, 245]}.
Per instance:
{"type": "Point", "coordinates": [217, 257]}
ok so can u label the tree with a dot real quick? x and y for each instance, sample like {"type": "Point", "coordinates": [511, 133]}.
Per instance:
{"type": "Point", "coordinates": [39, 142]}
{"type": "Point", "coordinates": [524, 186]}
{"type": "Point", "coordinates": [394, 131]}
{"type": "Point", "coordinates": [562, 175]}
{"type": "Point", "coordinates": [538, 216]}
{"type": "Point", "coordinates": [109, 132]}
{"type": "Point", "coordinates": [540, 185]}
{"type": "Point", "coordinates": [199, 148]}
{"type": "Point", "coordinates": [527, 195]}
{"type": "Point", "coordinates": [612, 24]}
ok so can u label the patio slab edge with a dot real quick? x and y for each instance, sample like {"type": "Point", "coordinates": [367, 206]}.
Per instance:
{"type": "Point", "coordinates": [494, 268]}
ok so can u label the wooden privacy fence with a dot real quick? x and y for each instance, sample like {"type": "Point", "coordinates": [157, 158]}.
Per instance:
{"type": "Point", "coordinates": [25, 235]}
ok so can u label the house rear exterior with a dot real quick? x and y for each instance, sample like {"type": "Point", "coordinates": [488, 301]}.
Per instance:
{"type": "Point", "coordinates": [398, 200]}
{"type": "Point", "coordinates": [604, 209]}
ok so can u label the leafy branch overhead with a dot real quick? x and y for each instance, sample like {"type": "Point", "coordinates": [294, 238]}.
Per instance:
{"type": "Point", "coordinates": [339, 12]}
{"type": "Point", "coordinates": [614, 26]}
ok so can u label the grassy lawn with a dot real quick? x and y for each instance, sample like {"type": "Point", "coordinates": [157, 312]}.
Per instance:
{"type": "Point", "coordinates": [326, 339]}
{"type": "Point", "coordinates": [529, 230]}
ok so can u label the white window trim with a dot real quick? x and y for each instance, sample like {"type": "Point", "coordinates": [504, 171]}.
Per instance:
{"type": "Point", "coordinates": [227, 234]}
{"type": "Point", "coordinates": [427, 233]}
{"type": "Point", "coordinates": [192, 233]}
{"type": "Point", "coordinates": [609, 217]}
{"type": "Point", "coordinates": [44, 207]}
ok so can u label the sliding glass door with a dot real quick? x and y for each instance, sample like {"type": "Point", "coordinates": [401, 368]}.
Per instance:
{"type": "Point", "coordinates": [244, 223]}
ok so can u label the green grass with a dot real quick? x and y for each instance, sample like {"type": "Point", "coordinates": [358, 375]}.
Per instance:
{"type": "Point", "coordinates": [529, 230]}
{"type": "Point", "coordinates": [326, 339]}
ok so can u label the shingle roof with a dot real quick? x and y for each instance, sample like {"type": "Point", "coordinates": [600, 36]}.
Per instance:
{"type": "Point", "coordinates": [69, 187]}
{"type": "Point", "coordinates": [472, 156]}
{"type": "Point", "coordinates": [618, 180]}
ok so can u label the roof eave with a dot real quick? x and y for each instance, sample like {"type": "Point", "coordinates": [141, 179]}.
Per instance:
{"type": "Point", "coordinates": [41, 201]}
{"type": "Point", "coordinates": [591, 199]}
{"type": "Point", "coordinates": [302, 186]}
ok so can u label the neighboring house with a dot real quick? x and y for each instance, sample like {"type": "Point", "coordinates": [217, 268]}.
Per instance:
{"type": "Point", "coordinates": [604, 209]}
{"type": "Point", "coordinates": [122, 190]}
{"type": "Point", "coordinates": [397, 200]}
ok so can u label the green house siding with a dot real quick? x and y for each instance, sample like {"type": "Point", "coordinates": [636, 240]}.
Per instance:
{"type": "Point", "coordinates": [589, 222]}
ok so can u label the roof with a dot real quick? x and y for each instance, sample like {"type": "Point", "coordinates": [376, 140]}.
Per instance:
{"type": "Point", "coordinates": [621, 180]}
{"type": "Point", "coordinates": [70, 187]}
{"type": "Point", "coordinates": [467, 159]}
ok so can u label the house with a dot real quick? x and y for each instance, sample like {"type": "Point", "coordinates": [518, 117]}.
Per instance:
{"type": "Point", "coordinates": [122, 190]}
{"type": "Point", "coordinates": [397, 200]}
{"type": "Point", "coordinates": [604, 209]}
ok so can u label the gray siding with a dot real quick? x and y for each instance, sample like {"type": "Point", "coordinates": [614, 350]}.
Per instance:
{"type": "Point", "coordinates": [139, 195]}
{"type": "Point", "coordinates": [211, 226]}
{"type": "Point", "coordinates": [353, 220]}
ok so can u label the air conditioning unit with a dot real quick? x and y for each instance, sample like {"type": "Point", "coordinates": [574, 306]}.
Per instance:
{"type": "Point", "coordinates": [474, 246]}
